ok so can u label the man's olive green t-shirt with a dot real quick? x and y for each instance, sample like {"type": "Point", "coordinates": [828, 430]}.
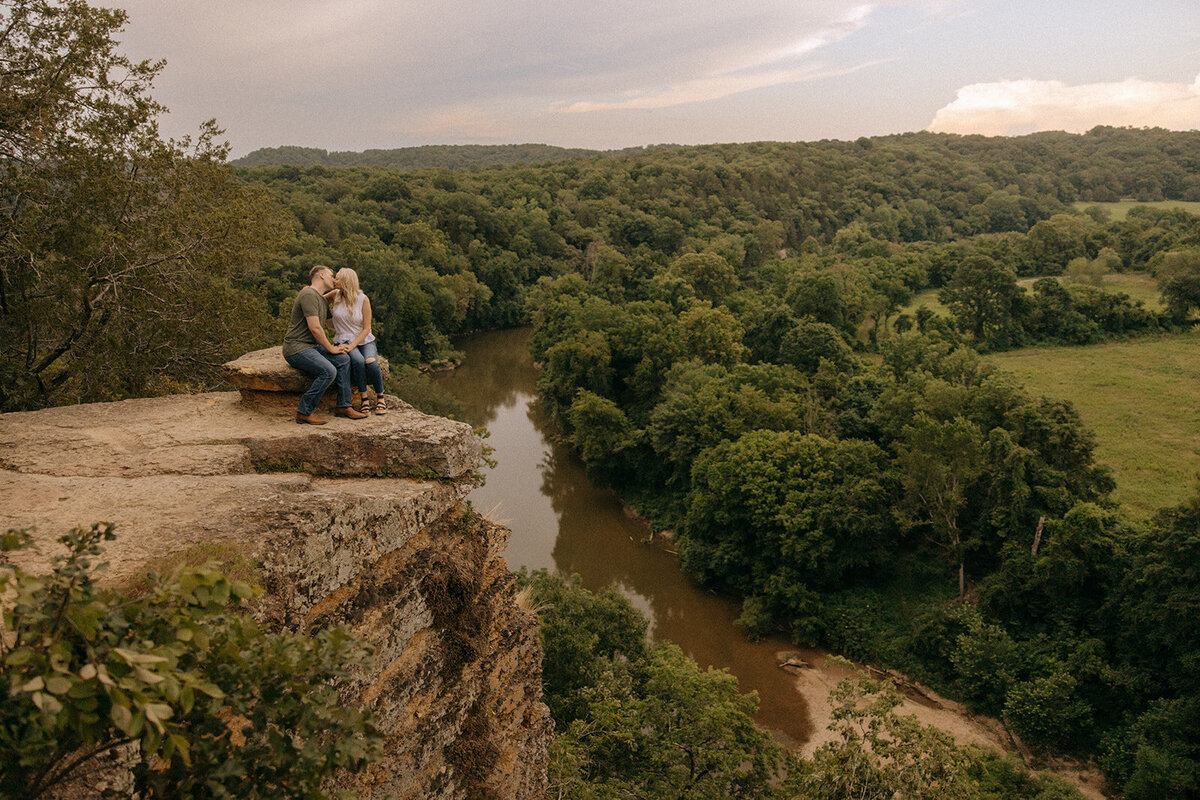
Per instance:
{"type": "Point", "coordinates": [309, 303]}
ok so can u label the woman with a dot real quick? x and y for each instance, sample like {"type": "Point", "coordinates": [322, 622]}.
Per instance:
{"type": "Point", "coordinates": [351, 315]}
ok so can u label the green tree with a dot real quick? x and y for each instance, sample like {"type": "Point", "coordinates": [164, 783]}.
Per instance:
{"type": "Point", "coordinates": [582, 361]}
{"type": "Point", "coordinates": [837, 296]}
{"type": "Point", "coordinates": [1047, 710]}
{"type": "Point", "coordinates": [212, 705]}
{"type": "Point", "coordinates": [807, 343]}
{"type": "Point", "coordinates": [703, 405]}
{"type": "Point", "coordinates": [110, 237]}
{"type": "Point", "coordinates": [666, 728]}
{"type": "Point", "coordinates": [599, 430]}
{"type": "Point", "coordinates": [712, 335]}
{"type": "Point", "coordinates": [582, 633]}
{"type": "Point", "coordinates": [636, 720]}
{"type": "Point", "coordinates": [1178, 275]}
{"type": "Point", "coordinates": [938, 462]}
{"type": "Point", "coordinates": [770, 515]}
{"type": "Point", "coordinates": [1053, 242]}
{"type": "Point", "coordinates": [880, 755]}
{"type": "Point", "coordinates": [982, 296]}
{"type": "Point", "coordinates": [1158, 601]}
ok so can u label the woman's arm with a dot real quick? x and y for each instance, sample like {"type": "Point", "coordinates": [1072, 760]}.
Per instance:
{"type": "Point", "coordinates": [366, 326]}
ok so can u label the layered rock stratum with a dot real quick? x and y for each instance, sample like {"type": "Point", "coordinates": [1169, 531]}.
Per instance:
{"type": "Point", "coordinates": [357, 522]}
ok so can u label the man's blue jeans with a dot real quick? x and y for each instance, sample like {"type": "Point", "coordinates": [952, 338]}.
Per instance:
{"type": "Point", "coordinates": [325, 368]}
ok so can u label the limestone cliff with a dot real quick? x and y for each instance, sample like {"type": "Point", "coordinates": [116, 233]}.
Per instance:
{"type": "Point", "coordinates": [355, 522]}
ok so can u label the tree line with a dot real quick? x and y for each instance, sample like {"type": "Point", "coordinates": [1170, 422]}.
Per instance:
{"type": "Point", "coordinates": [445, 156]}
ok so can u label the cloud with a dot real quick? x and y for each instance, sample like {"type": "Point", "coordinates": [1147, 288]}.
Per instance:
{"type": "Point", "coordinates": [711, 88]}
{"type": "Point", "coordinates": [772, 62]}
{"type": "Point", "coordinates": [1007, 108]}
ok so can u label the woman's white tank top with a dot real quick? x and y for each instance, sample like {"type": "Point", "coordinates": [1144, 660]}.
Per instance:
{"type": "Point", "coordinates": [348, 322]}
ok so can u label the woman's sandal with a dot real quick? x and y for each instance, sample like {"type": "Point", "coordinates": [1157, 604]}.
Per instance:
{"type": "Point", "coordinates": [380, 405]}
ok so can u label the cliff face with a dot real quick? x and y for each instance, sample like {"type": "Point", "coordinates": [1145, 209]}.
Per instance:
{"type": "Point", "coordinates": [356, 522]}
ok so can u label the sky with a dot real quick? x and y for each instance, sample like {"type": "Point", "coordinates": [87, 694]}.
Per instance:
{"type": "Point", "coordinates": [362, 74]}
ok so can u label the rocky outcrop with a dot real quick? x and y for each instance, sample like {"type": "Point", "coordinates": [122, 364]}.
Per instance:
{"type": "Point", "coordinates": [267, 382]}
{"type": "Point", "coordinates": [355, 522]}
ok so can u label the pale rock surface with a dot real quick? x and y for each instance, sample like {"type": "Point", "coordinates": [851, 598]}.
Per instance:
{"type": "Point", "coordinates": [456, 683]}
{"type": "Point", "coordinates": [267, 382]}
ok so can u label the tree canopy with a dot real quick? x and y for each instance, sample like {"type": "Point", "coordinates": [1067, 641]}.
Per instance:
{"type": "Point", "coordinates": [111, 238]}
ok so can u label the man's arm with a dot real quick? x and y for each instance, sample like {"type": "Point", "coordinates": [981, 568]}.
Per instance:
{"type": "Point", "coordinates": [318, 332]}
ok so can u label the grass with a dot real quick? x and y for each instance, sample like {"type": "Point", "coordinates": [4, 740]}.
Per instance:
{"type": "Point", "coordinates": [1139, 397]}
{"type": "Point", "coordinates": [1138, 285]}
{"type": "Point", "coordinates": [927, 299]}
{"type": "Point", "coordinates": [1118, 211]}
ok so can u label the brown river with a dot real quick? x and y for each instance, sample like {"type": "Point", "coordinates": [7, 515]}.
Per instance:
{"type": "Point", "coordinates": [562, 522]}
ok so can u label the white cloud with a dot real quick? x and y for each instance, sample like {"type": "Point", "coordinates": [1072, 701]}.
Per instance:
{"type": "Point", "coordinates": [711, 88]}
{"type": "Point", "coordinates": [773, 61]}
{"type": "Point", "coordinates": [1006, 108]}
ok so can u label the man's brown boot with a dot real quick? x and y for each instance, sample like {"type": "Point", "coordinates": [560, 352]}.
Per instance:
{"type": "Point", "coordinates": [349, 412]}
{"type": "Point", "coordinates": [310, 419]}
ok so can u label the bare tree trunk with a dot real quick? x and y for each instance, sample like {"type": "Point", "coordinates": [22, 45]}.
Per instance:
{"type": "Point", "coordinates": [1037, 536]}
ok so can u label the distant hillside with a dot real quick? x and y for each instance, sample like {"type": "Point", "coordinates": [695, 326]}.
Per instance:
{"type": "Point", "coordinates": [445, 156]}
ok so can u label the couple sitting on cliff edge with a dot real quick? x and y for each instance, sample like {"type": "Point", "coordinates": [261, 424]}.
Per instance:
{"type": "Point", "coordinates": [350, 358]}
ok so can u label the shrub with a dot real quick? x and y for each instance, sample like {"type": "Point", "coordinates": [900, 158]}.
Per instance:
{"type": "Point", "coordinates": [207, 703]}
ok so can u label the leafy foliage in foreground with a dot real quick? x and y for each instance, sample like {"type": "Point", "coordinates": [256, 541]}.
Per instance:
{"type": "Point", "coordinates": [204, 702]}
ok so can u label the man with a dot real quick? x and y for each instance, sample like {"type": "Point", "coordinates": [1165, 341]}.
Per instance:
{"type": "Point", "coordinates": [307, 348]}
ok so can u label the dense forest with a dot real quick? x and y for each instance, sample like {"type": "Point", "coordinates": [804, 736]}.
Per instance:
{"type": "Point", "coordinates": [726, 338]}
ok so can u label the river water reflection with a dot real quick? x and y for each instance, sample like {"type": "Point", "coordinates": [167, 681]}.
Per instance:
{"type": "Point", "coordinates": [560, 521]}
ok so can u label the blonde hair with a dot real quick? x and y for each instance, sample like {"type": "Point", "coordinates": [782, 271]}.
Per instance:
{"type": "Point", "coordinates": [348, 291]}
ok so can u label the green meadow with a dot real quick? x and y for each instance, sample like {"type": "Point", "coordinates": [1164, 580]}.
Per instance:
{"type": "Point", "coordinates": [1141, 399]}
{"type": "Point", "coordinates": [1138, 285]}
{"type": "Point", "coordinates": [1119, 210]}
